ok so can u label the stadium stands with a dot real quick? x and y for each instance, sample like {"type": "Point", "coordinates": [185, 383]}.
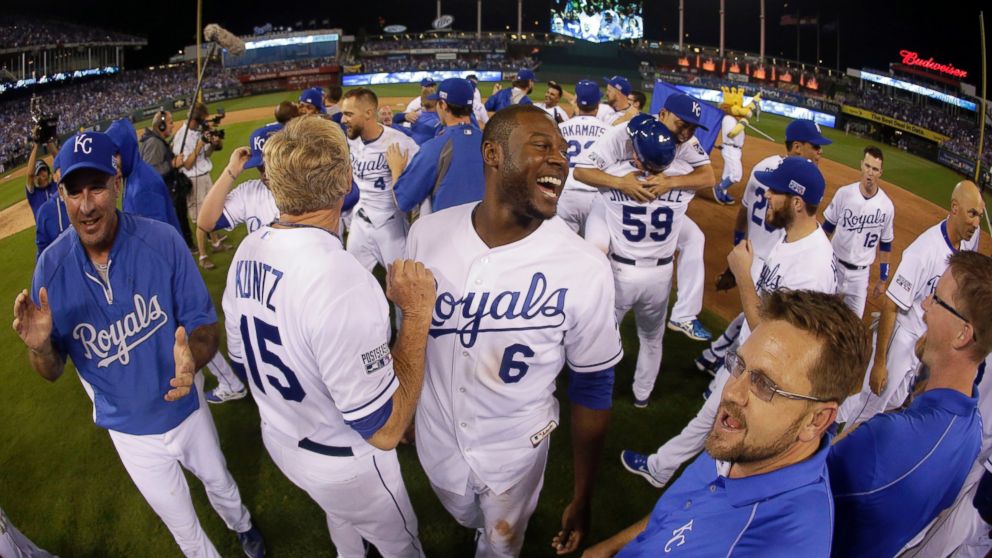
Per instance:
{"type": "Point", "coordinates": [18, 33]}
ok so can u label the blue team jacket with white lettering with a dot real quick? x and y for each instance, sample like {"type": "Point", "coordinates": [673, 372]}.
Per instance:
{"type": "Point", "coordinates": [120, 337]}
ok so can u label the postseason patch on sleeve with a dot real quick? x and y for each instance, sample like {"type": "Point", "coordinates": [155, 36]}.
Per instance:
{"type": "Point", "coordinates": [377, 359]}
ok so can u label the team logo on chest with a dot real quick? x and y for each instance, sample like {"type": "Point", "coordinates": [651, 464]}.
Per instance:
{"type": "Point", "coordinates": [539, 308]}
{"type": "Point", "coordinates": [122, 336]}
{"type": "Point", "coordinates": [770, 278]}
{"type": "Point", "coordinates": [858, 222]}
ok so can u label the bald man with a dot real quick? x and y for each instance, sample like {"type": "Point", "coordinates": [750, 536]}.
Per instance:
{"type": "Point", "coordinates": [901, 323]}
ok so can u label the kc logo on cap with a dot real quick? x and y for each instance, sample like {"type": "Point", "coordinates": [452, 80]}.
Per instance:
{"type": "Point", "coordinates": [82, 143]}
{"type": "Point", "coordinates": [258, 142]}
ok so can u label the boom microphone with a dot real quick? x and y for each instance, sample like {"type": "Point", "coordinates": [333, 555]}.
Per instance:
{"type": "Point", "coordinates": [224, 38]}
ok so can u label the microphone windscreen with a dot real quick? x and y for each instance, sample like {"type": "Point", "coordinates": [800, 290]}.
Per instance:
{"type": "Point", "coordinates": [224, 38]}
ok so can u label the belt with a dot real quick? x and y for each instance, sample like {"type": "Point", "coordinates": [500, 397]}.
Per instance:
{"type": "Point", "coordinates": [851, 266]}
{"type": "Point", "coordinates": [332, 451]}
{"type": "Point", "coordinates": [641, 263]}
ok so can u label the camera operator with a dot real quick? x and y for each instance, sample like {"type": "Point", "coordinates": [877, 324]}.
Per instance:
{"type": "Point", "coordinates": [196, 141]}
{"type": "Point", "coordinates": [156, 151]}
{"type": "Point", "coordinates": [39, 185]}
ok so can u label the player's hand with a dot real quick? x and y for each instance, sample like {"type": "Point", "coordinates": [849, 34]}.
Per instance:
{"type": "Point", "coordinates": [497, 87]}
{"type": "Point", "coordinates": [33, 324]}
{"type": "Point", "coordinates": [239, 157]}
{"type": "Point", "coordinates": [185, 367]}
{"type": "Point", "coordinates": [396, 158]}
{"type": "Point", "coordinates": [412, 117]}
{"type": "Point", "coordinates": [633, 187]}
{"type": "Point", "coordinates": [412, 287]}
{"type": "Point", "coordinates": [741, 258]}
{"type": "Point", "coordinates": [574, 526]}
{"type": "Point", "coordinates": [878, 289]}
{"type": "Point", "coordinates": [658, 185]}
{"type": "Point", "coordinates": [879, 377]}
{"type": "Point", "coordinates": [569, 96]}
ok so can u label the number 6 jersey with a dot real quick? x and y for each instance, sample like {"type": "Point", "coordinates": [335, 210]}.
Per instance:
{"type": "Point", "coordinates": [506, 320]}
{"type": "Point", "coordinates": [310, 328]}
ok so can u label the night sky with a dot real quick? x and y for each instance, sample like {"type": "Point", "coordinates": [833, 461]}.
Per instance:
{"type": "Point", "coordinates": [872, 32]}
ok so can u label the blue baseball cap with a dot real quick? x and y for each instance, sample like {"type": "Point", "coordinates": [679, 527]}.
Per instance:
{"type": "Point", "coordinates": [88, 150]}
{"type": "Point", "coordinates": [690, 110]}
{"type": "Point", "coordinates": [587, 93]}
{"type": "Point", "coordinates": [796, 176]}
{"type": "Point", "coordinates": [256, 142]}
{"type": "Point", "coordinates": [620, 83]}
{"type": "Point", "coordinates": [653, 143]}
{"type": "Point", "coordinates": [805, 131]}
{"type": "Point", "coordinates": [526, 74]}
{"type": "Point", "coordinates": [314, 97]}
{"type": "Point", "coordinates": [454, 91]}
{"type": "Point", "coordinates": [428, 82]}
{"type": "Point", "coordinates": [39, 165]}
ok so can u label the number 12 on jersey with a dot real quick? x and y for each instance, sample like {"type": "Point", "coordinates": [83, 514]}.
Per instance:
{"type": "Point", "coordinates": [268, 334]}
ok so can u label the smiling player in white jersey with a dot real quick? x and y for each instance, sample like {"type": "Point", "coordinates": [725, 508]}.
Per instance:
{"type": "Point", "coordinates": [581, 132]}
{"type": "Point", "coordinates": [642, 246]}
{"type": "Point", "coordinates": [802, 139]}
{"type": "Point", "coordinates": [860, 217]}
{"type": "Point", "coordinates": [681, 115]}
{"type": "Point", "coordinates": [519, 297]}
{"type": "Point", "coordinates": [310, 328]}
{"type": "Point", "coordinates": [802, 259]}
{"type": "Point", "coordinates": [378, 229]}
{"type": "Point", "coordinates": [901, 323]}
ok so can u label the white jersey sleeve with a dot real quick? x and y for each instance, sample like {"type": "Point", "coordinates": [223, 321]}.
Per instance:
{"type": "Point", "coordinates": [250, 203]}
{"type": "Point", "coordinates": [906, 282]}
{"type": "Point", "coordinates": [613, 147]}
{"type": "Point", "coordinates": [606, 113]}
{"type": "Point", "coordinates": [372, 175]}
{"type": "Point", "coordinates": [692, 153]}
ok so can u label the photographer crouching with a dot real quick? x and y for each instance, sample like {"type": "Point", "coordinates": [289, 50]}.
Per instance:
{"type": "Point", "coordinates": [156, 151]}
{"type": "Point", "coordinates": [196, 140]}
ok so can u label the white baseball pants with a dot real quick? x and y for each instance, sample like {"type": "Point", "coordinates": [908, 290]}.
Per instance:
{"type": "Point", "coordinates": [852, 284]}
{"type": "Point", "coordinates": [226, 378]}
{"type": "Point", "coordinates": [13, 543]}
{"type": "Point", "coordinates": [690, 273]}
{"type": "Point", "coordinates": [155, 463]}
{"type": "Point", "coordinates": [383, 245]}
{"type": "Point", "coordinates": [901, 367]}
{"type": "Point", "coordinates": [958, 531]}
{"type": "Point", "coordinates": [644, 290]}
{"type": "Point", "coordinates": [501, 518]}
{"type": "Point", "coordinates": [363, 496]}
{"type": "Point", "coordinates": [721, 345]}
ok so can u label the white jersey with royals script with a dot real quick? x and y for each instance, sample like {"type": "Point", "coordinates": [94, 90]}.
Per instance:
{"type": "Point", "coordinates": [310, 326]}
{"type": "Point", "coordinates": [615, 146]}
{"type": "Point", "coordinates": [250, 203]}
{"type": "Point", "coordinates": [580, 132]}
{"type": "Point", "coordinates": [643, 231]}
{"type": "Point", "coordinates": [922, 264]}
{"type": "Point", "coordinates": [762, 236]}
{"type": "Point", "coordinates": [372, 175]}
{"type": "Point", "coordinates": [505, 323]}
{"type": "Point", "coordinates": [861, 223]}
{"type": "Point", "coordinates": [807, 263]}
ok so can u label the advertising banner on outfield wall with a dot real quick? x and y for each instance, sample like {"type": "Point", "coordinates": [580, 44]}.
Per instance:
{"type": "Point", "coordinates": [893, 123]}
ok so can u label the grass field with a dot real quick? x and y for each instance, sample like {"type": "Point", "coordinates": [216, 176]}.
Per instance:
{"type": "Point", "coordinates": [62, 483]}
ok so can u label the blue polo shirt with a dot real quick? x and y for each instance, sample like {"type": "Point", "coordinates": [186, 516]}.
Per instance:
{"type": "Point", "coordinates": [448, 169]}
{"type": "Point", "coordinates": [897, 471]}
{"type": "Point", "coordinates": [785, 513]}
{"type": "Point", "coordinates": [503, 98]}
{"type": "Point", "coordinates": [425, 128]}
{"type": "Point", "coordinates": [52, 220]}
{"type": "Point", "coordinates": [120, 336]}
{"type": "Point", "coordinates": [40, 195]}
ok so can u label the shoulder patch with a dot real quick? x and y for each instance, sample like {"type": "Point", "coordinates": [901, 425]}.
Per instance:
{"type": "Point", "coordinates": [377, 359]}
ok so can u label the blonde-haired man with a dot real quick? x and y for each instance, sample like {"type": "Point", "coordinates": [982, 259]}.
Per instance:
{"type": "Point", "coordinates": [311, 327]}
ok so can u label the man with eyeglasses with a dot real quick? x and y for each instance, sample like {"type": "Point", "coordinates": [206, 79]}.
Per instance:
{"type": "Point", "coordinates": [761, 487]}
{"type": "Point", "coordinates": [896, 472]}
{"type": "Point", "coordinates": [901, 324]}
{"type": "Point", "coordinates": [801, 259]}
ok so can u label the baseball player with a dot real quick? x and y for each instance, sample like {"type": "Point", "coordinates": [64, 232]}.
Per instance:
{"type": "Point", "coordinates": [422, 124]}
{"type": "Point", "coordinates": [519, 296]}
{"type": "Point", "coordinates": [860, 218]}
{"type": "Point", "coordinates": [681, 115]}
{"type": "Point", "coordinates": [642, 247]}
{"type": "Point", "coordinates": [378, 231]}
{"type": "Point", "coordinates": [39, 186]}
{"type": "Point", "coordinates": [447, 171]}
{"type": "Point", "coordinates": [802, 139]}
{"type": "Point", "coordinates": [802, 259]}
{"type": "Point", "coordinates": [581, 132]}
{"type": "Point", "coordinates": [732, 145]}
{"type": "Point", "coordinates": [121, 296]}
{"type": "Point", "coordinates": [311, 329]}
{"type": "Point", "coordinates": [478, 107]}
{"type": "Point", "coordinates": [617, 105]}
{"type": "Point", "coordinates": [901, 323]}
{"type": "Point", "coordinates": [427, 86]}
{"type": "Point", "coordinates": [552, 103]}
{"type": "Point", "coordinates": [52, 218]}
{"type": "Point", "coordinates": [501, 98]}
{"type": "Point", "coordinates": [312, 101]}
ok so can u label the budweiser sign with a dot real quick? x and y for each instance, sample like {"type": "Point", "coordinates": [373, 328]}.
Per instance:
{"type": "Point", "coordinates": [911, 58]}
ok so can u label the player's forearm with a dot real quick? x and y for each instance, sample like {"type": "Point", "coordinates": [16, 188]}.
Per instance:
{"type": "Point", "coordinates": [46, 362]}
{"type": "Point", "coordinates": [596, 178]}
{"type": "Point", "coordinates": [589, 428]}
{"type": "Point", "coordinates": [886, 324]}
{"type": "Point", "coordinates": [615, 544]}
{"type": "Point", "coordinates": [203, 343]}
{"type": "Point", "coordinates": [740, 224]}
{"type": "Point", "coordinates": [31, 161]}
{"type": "Point", "coordinates": [750, 303]}
{"type": "Point", "coordinates": [699, 179]}
{"type": "Point", "coordinates": [213, 204]}
{"type": "Point", "coordinates": [409, 357]}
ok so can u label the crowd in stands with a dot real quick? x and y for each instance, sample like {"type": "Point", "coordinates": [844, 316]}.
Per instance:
{"type": "Point", "coordinates": [22, 32]}
{"type": "Point", "coordinates": [286, 66]}
{"type": "Point", "coordinates": [84, 104]}
{"type": "Point", "coordinates": [428, 62]}
{"type": "Point", "coordinates": [476, 44]}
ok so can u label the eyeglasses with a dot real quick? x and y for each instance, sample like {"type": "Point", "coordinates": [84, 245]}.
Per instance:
{"type": "Point", "coordinates": [940, 302]}
{"type": "Point", "coordinates": [761, 385]}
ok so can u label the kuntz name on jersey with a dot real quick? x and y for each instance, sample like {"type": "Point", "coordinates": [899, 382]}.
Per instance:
{"type": "Point", "coordinates": [547, 308]}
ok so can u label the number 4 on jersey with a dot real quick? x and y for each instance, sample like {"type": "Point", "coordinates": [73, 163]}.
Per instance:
{"type": "Point", "coordinates": [380, 183]}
